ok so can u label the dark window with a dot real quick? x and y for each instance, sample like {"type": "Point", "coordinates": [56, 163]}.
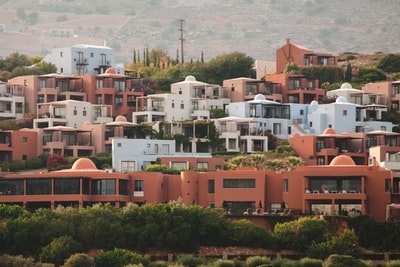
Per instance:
{"type": "Point", "coordinates": [66, 186]}
{"type": "Point", "coordinates": [85, 186]}
{"type": "Point", "coordinates": [285, 185]}
{"type": "Point", "coordinates": [239, 183]}
{"type": "Point", "coordinates": [139, 185]}
{"type": "Point", "coordinates": [38, 187]}
{"type": "Point", "coordinates": [123, 187]}
{"type": "Point", "coordinates": [11, 187]}
{"type": "Point", "coordinates": [211, 186]}
{"type": "Point", "coordinates": [388, 187]}
{"type": "Point", "coordinates": [103, 187]}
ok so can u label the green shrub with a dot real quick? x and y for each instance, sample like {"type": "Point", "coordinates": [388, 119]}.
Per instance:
{"type": "Point", "coordinates": [79, 260]}
{"type": "Point", "coordinates": [120, 257]}
{"type": "Point", "coordinates": [309, 262]}
{"type": "Point", "coordinates": [336, 260]}
{"type": "Point", "coordinates": [345, 244]}
{"type": "Point", "coordinates": [224, 263]}
{"type": "Point", "coordinates": [7, 260]}
{"type": "Point", "coordinates": [158, 263]}
{"type": "Point", "coordinates": [394, 263]}
{"type": "Point", "coordinates": [34, 164]}
{"type": "Point", "coordinates": [278, 262]}
{"type": "Point", "coordinates": [255, 261]}
{"type": "Point", "coordinates": [190, 261]}
{"type": "Point", "coordinates": [17, 165]}
{"type": "Point", "coordinates": [59, 250]}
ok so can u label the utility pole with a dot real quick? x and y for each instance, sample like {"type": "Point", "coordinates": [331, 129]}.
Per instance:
{"type": "Point", "coordinates": [181, 38]}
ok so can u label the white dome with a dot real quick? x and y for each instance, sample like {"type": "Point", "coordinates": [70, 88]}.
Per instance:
{"type": "Point", "coordinates": [341, 99]}
{"type": "Point", "coordinates": [346, 86]}
{"type": "Point", "coordinates": [190, 78]}
{"type": "Point", "coordinates": [314, 103]}
{"type": "Point", "coordinates": [259, 97]}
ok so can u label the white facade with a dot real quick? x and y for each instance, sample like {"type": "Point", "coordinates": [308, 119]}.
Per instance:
{"type": "Point", "coordinates": [204, 96]}
{"type": "Point", "coordinates": [82, 59]}
{"type": "Point", "coordinates": [12, 101]}
{"type": "Point", "coordinates": [343, 117]}
{"type": "Point", "coordinates": [163, 107]}
{"type": "Point", "coordinates": [137, 154]}
{"type": "Point", "coordinates": [71, 113]}
{"type": "Point", "coordinates": [282, 120]}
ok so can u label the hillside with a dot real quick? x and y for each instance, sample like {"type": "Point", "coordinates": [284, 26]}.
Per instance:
{"type": "Point", "coordinates": [255, 27]}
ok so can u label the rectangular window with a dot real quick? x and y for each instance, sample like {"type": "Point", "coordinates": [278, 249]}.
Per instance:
{"type": "Point", "coordinates": [202, 165]}
{"type": "Point", "coordinates": [211, 186]}
{"type": "Point", "coordinates": [301, 111]}
{"type": "Point", "coordinates": [99, 84]}
{"type": "Point", "coordinates": [103, 187]}
{"type": "Point", "coordinates": [24, 139]}
{"type": "Point", "coordinates": [84, 113]}
{"type": "Point", "coordinates": [285, 185]}
{"type": "Point", "coordinates": [179, 165]}
{"type": "Point", "coordinates": [11, 187]}
{"type": "Point", "coordinates": [38, 187]}
{"type": "Point", "coordinates": [182, 106]}
{"type": "Point", "coordinates": [123, 187]}
{"type": "Point", "coordinates": [239, 183]}
{"type": "Point", "coordinates": [75, 112]}
{"type": "Point", "coordinates": [65, 186]}
{"type": "Point", "coordinates": [139, 185]}
{"type": "Point", "coordinates": [388, 187]}
{"type": "Point", "coordinates": [345, 112]}
{"type": "Point", "coordinates": [128, 166]}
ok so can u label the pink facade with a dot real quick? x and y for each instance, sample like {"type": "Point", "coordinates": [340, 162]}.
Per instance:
{"type": "Point", "coordinates": [341, 188]}
{"type": "Point", "coordinates": [117, 90]}
{"type": "Point", "coordinates": [302, 57]}
{"type": "Point", "coordinates": [244, 89]}
{"type": "Point", "coordinates": [18, 145]}
{"type": "Point", "coordinates": [297, 88]}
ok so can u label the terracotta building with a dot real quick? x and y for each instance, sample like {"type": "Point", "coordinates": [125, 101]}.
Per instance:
{"type": "Point", "coordinates": [302, 57]}
{"type": "Point", "coordinates": [341, 188]}
{"type": "Point", "coordinates": [322, 149]}
{"type": "Point", "coordinates": [297, 88]}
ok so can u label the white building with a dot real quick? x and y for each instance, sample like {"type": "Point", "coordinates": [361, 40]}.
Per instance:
{"type": "Point", "coordinates": [282, 120]}
{"type": "Point", "coordinates": [188, 100]}
{"type": "Point", "coordinates": [344, 117]}
{"type": "Point", "coordinates": [82, 59]}
{"type": "Point", "coordinates": [204, 96]}
{"type": "Point", "coordinates": [12, 100]}
{"type": "Point", "coordinates": [137, 154]}
{"type": "Point", "coordinates": [71, 113]}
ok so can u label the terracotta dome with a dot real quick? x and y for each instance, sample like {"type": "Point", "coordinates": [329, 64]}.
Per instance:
{"type": "Point", "coordinates": [329, 131]}
{"type": "Point", "coordinates": [110, 71]}
{"type": "Point", "coordinates": [120, 118]}
{"type": "Point", "coordinates": [295, 135]}
{"type": "Point", "coordinates": [83, 164]}
{"type": "Point", "coordinates": [342, 160]}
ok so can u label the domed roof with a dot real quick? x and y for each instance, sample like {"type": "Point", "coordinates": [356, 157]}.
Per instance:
{"type": "Point", "coordinates": [329, 131]}
{"type": "Point", "coordinates": [120, 118]}
{"type": "Point", "coordinates": [341, 99]}
{"type": "Point", "coordinates": [83, 164]}
{"type": "Point", "coordinates": [346, 86]}
{"type": "Point", "coordinates": [190, 78]}
{"type": "Point", "coordinates": [110, 71]}
{"type": "Point", "coordinates": [259, 97]}
{"type": "Point", "coordinates": [295, 135]}
{"type": "Point", "coordinates": [314, 103]}
{"type": "Point", "coordinates": [342, 160]}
